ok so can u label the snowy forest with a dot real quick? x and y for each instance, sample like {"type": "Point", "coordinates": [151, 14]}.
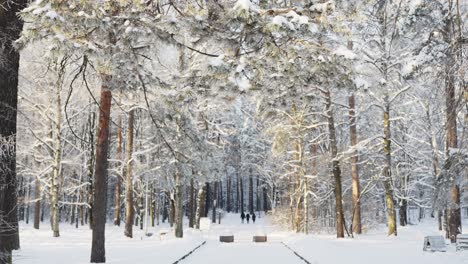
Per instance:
{"type": "Point", "coordinates": [139, 127]}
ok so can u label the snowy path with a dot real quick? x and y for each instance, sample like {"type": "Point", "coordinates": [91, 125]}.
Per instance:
{"type": "Point", "coordinates": [243, 250]}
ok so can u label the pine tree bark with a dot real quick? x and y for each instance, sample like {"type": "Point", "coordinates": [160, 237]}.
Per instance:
{"type": "Point", "coordinates": [356, 221]}
{"type": "Point", "coordinates": [118, 185]}
{"type": "Point", "coordinates": [335, 167]}
{"type": "Point", "coordinates": [98, 251]}
{"type": "Point", "coordinates": [387, 171]}
{"type": "Point", "coordinates": [37, 203]}
{"type": "Point", "coordinates": [452, 34]}
{"type": "Point", "coordinates": [129, 212]}
{"type": "Point", "coordinates": [10, 28]}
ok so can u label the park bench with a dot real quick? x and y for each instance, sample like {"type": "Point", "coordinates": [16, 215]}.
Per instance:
{"type": "Point", "coordinates": [434, 244]}
{"type": "Point", "coordinates": [226, 239]}
{"type": "Point", "coordinates": [462, 242]}
{"type": "Point", "coordinates": [260, 239]}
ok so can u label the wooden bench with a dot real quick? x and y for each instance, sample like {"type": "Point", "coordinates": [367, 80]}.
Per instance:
{"type": "Point", "coordinates": [462, 242]}
{"type": "Point", "coordinates": [259, 239]}
{"type": "Point", "coordinates": [226, 239]}
{"type": "Point", "coordinates": [434, 243]}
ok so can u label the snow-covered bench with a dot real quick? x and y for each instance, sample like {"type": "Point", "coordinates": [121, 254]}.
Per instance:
{"type": "Point", "coordinates": [462, 242]}
{"type": "Point", "coordinates": [226, 237]}
{"type": "Point", "coordinates": [434, 243]}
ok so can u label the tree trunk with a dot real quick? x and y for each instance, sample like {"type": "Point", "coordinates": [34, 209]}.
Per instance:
{"type": "Point", "coordinates": [207, 200]}
{"type": "Point", "coordinates": [241, 194]}
{"type": "Point", "coordinates": [215, 202]}
{"type": "Point", "coordinates": [452, 34]}
{"type": "Point", "coordinates": [152, 205]}
{"type": "Point", "coordinates": [356, 221]}
{"type": "Point", "coordinates": [98, 252]}
{"type": "Point", "coordinates": [402, 212]}
{"type": "Point", "coordinates": [37, 203]}
{"type": "Point", "coordinates": [179, 200]}
{"type": "Point", "coordinates": [228, 194]}
{"type": "Point", "coordinates": [56, 179]}
{"type": "Point", "coordinates": [200, 206]}
{"type": "Point", "coordinates": [28, 200]}
{"type": "Point", "coordinates": [387, 172]}
{"type": "Point", "coordinates": [129, 212]}
{"type": "Point", "coordinates": [191, 204]}
{"type": "Point", "coordinates": [238, 192]}
{"type": "Point", "coordinates": [118, 185]}
{"type": "Point", "coordinates": [10, 29]}
{"type": "Point", "coordinates": [335, 167]}
{"type": "Point", "coordinates": [251, 194]}
{"type": "Point", "coordinates": [91, 164]}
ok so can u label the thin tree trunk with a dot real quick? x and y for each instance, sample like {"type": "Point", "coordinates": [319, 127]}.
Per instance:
{"type": "Point", "coordinates": [179, 200]}
{"type": "Point", "coordinates": [335, 167]}
{"type": "Point", "coordinates": [241, 194]}
{"type": "Point", "coordinates": [387, 172]}
{"type": "Point", "coordinates": [98, 251]}
{"type": "Point", "coordinates": [215, 202]}
{"type": "Point", "coordinates": [129, 212]}
{"type": "Point", "coordinates": [91, 164]}
{"type": "Point", "coordinates": [356, 221]}
{"type": "Point", "coordinates": [251, 194]}
{"type": "Point", "coordinates": [37, 203]}
{"type": "Point", "coordinates": [118, 185]}
{"type": "Point", "coordinates": [191, 204]}
{"type": "Point", "coordinates": [152, 205]}
{"type": "Point", "coordinates": [402, 212]}
{"type": "Point", "coordinates": [56, 179]}
{"type": "Point", "coordinates": [200, 206]}
{"type": "Point", "coordinates": [28, 200]}
{"type": "Point", "coordinates": [228, 194]}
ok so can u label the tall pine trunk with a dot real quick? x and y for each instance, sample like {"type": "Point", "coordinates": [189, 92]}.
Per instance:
{"type": "Point", "coordinates": [356, 221]}
{"type": "Point", "coordinates": [129, 212]}
{"type": "Point", "coordinates": [335, 167]}
{"type": "Point", "coordinates": [118, 185]}
{"type": "Point", "coordinates": [37, 203]}
{"type": "Point", "coordinates": [387, 171]}
{"type": "Point", "coordinates": [10, 29]}
{"type": "Point", "coordinates": [98, 251]}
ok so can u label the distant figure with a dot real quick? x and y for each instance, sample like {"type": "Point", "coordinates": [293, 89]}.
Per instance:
{"type": "Point", "coordinates": [253, 217]}
{"type": "Point", "coordinates": [248, 217]}
{"type": "Point", "coordinates": [243, 217]}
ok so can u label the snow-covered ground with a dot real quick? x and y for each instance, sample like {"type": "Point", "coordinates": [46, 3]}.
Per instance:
{"type": "Point", "coordinates": [73, 247]}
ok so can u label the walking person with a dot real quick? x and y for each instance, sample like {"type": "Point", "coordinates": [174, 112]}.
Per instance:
{"type": "Point", "coordinates": [248, 217]}
{"type": "Point", "coordinates": [253, 217]}
{"type": "Point", "coordinates": [243, 217]}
